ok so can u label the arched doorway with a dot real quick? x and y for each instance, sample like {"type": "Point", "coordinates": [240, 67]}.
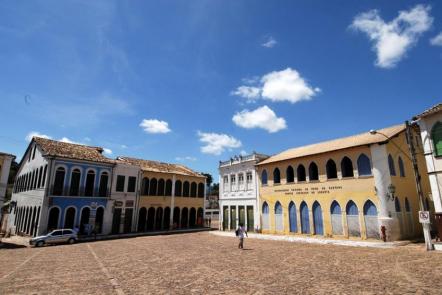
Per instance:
{"type": "Point", "coordinates": [200, 217]}
{"type": "Point", "coordinates": [166, 218]}
{"type": "Point", "coordinates": [279, 221]}
{"type": "Point", "coordinates": [142, 214]}
{"type": "Point", "coordinates": [317, 219]}
{"type": "Point", "coordinates": [54, 215]}
{"type": "Point", "coordinates": [292, 218]}
{"type": "Point", "coordinates": [99, 216]}
{"type": "Point", "coordinates": [354, 229]}
{"type": "Point", "coordinates": [69, 219]}
{"type": "Point", "coordinates": [159, 219]}
{"type": "Point", "coordinates": [305, 223]}
{"type": "Point", "coordinates": [184, 217]}
{"type": "Point", "coordinates": [398, 208]}
{"type": "Point", "coordinates": [84, 220]}
{"type": "Point", "coordinates": [371, 220]}
{"type": "Point", "coordinates": [150, 218]}
{"type": "Point", "coordinates": [192, 217]}
{"type": "Point", "coordinates": [176, 217]}
{"type": "Point", "coordinates": [336, 218]}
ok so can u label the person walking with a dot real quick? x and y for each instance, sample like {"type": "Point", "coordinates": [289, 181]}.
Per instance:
{"type": "Point", "coordinates": [240, 234]}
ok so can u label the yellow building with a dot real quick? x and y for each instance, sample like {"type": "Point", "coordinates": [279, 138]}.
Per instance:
{"type": "Point", "coordinates": [171, 196]}
{"type": "Point", "coordinates": [348, 187]}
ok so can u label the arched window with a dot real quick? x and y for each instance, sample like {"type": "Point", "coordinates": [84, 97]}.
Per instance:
{"type": "Point", "coordinates": [34, 179]}
{"type": "Point", "coordinates": [401, 167]}
{"type": "Point", "coordinates": [168, 187]}
{"type": "Point", "coordinates": [186, 186]}
{"type": "Point", "coordinates": [74, 189]}
{"type": "Point", "coordinates": [33, 153]}
{"type": "Point", "coordinates": [178, 188]}
{"type": "Point", "coordinates": [364, 166]}
{"type": "Point", "coordinates": [370, 209]}
{"type": "Point", "coordinates": [352, 209]}
{"type": "Point", "coordinates": [318, 223]}
{"type": "Point", "coordinates": [153, 187]}
{"type": "Point", "coordinates": [353, 225]}
{"type": "Point", "coordinates": [265, 208]}
{"type": "Point", "coordinates": [276, 176]}
{"type": "Point", "coordinates": [278, 208]}
{"type": "Point", "coordinates": [40, 175]}
{"type": "Point", "coordinates": [161, 186]}
{"type": "Point", "coordinates": [279, 220]}
{"type": "Point", "coordinates": [43, 182]}
{"type": "Point", "coordinates": [90, 181]}
{"type": "Point", "coordinates": [193, 188]}
{"type": "Point", "coordinates": [264, 177]}
{"type": "Point", "coordinates": [391, 165]}
{"type": "Point", "coordinates": [104, 178]}
{"type": "Point", "coordinates": [331, 169]}
{"type": "Point", "coordinates": [436, 137]}
{"type": "Point", "coordinates": [290, 174]}
{"type": "Point", "coordinates": [300, 171]}
{"type": "Point", "coordinates": [347, 167]}
{"type": "Point", "coordinates": [201, 190]}
{"type": "Point", "coordinates": [407, 205]}
{"type": "Point", "coordinates": [397, 205]}
{"type": "Point", "coordinates": [335, 208]}
{"type": "Point", "coordinates": [145, 190]}
{"type": "Point", "coordinates": [313, 172]}
{"type": "Point", "coordinates": [59, 181]}
{"type": "Point", "coordinates": [371, 220]}
{"type": "Point", "coordinates": [292, 217]}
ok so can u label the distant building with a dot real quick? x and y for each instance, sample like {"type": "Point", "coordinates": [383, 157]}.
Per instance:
{"type": "Point", "coordinates": [171, 195]}
{"type": "Point", "coordinates": [238, 192]}
{"type": "Point", "coordinates": [5, 166]}
{"type": "Point", "coordinates": [347, 187]}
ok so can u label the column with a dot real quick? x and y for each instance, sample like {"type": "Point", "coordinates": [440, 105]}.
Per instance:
{"type": "Point", "coordinates": [172, 203]}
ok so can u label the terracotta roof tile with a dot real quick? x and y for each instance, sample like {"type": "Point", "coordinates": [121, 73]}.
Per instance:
{"type": "Point", "coordinates": [336, 144]}
{"type": "Point", "coordinates": [71, 151]}
{"type": "Point", "coordinates": [155, 166]}
{"type": "Point", "coordinates": [434, 109]}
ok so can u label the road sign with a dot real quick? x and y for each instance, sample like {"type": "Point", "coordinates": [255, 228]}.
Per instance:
{"type": "Point", "coordinates": [424, 216]}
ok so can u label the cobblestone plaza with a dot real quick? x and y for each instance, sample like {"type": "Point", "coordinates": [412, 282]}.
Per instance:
{"type": "Point", "coordinates": [201, 263]}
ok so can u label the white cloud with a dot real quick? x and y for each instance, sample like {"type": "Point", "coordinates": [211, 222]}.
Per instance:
{"type": "Point", "coordinates": [269, 43]}
{"type": "Point", "coordinates": [437, 40]}
{"type": "Point", "coordinates": [393, 39]}
{"type": "Point", "coordinates": [67, 140]}
{"type": "Point", "coordinates": [285, 85]}
{"type": "Point", "coordinates": [155, 126]}
{"type": "Point", "coordinates": [187, 158]}
{"type": "Point", "coordinates": [123, 146]}
{"type": "Point", "coordinates": [262, 117]}
{"type": "Point", "coordinates": [217, 143]}
{"type": "Point", "coordinates": [107, 151]}
{"type": "Point", "coordinates": [249, 92]}
{"type": "Point", "coordinates": [37, 134]}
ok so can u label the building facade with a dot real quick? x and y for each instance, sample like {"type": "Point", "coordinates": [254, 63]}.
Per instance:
{"type": "Point", "coordinates": [5, 166]}
{"type": "Point", "coordinates": [352, 187]}
{"type": "Point", "coordinates": [238, 192]}
{"type": "Point", "coordinates": [60, 185]}
{"type": "Point", "coordinates": [430, 124]}
{"type": "Point", "coordinates": [171, 196]}
{"type": "Point", "coordinates": [124, 196]}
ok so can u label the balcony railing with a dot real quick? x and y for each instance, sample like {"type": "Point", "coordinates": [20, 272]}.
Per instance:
{"type": "Point", "coordinates": [81, 193]}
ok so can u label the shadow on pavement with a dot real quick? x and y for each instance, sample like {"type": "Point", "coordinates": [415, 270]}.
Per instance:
{"type": "Point", "coordinates": [4, 245]}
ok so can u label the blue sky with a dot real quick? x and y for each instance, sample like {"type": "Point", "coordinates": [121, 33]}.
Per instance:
{"type": "Point", "coordinates": [196, 82]}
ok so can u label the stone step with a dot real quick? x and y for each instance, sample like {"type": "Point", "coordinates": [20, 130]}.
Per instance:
{"type": "Point", "coordinates": [438, 246]}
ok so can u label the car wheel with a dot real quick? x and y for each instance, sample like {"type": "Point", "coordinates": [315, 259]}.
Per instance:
{"type": "Point", "coordinates": [40, 243]}
{"type": "Point", "coordinates": [71, 241]}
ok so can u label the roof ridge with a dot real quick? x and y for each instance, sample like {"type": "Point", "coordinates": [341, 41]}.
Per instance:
{"type": "Point", "coordinates": [71, 143]}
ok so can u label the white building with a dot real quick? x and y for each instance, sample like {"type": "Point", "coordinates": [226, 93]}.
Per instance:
{"type": "Point", "coordinates": [5, 166]}
{"type": "Point", "coordinates": [430, 123]}
{"type": "Point", "coordinates": [125, 190]}
{"type": "Point", "coordinates": [238, 192]}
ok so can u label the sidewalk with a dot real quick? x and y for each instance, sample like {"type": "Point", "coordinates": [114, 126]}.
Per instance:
{"type": "Point", "coordinates": [21, 241]}
{"type": "Point", "coordinates": [317, 240]}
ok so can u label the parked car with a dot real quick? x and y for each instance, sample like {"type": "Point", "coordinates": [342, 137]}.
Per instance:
{"type": "Point", "coordinates": [57, 236]}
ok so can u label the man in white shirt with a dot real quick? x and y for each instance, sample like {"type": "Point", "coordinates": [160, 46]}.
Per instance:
{"type": "Point", "coordinates": [241, 231]}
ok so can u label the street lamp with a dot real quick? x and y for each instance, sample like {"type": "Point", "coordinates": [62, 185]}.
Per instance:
{"type": "Point", "coordinates": [411, 148]}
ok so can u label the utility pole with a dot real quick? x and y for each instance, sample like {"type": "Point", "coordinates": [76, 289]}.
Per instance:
{"type": "Point", "coordinates": [410, 141]}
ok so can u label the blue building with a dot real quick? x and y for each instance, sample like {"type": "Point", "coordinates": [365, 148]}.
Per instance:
{"type": "Point", "coordinates": [61, 185]}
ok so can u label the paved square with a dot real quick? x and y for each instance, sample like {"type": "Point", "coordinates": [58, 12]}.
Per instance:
{"type": "Point", "coordinates": [201, 263]}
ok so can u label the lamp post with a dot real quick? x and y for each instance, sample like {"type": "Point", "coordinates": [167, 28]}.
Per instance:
{"type": "Point", "coordinates": [412, 150]}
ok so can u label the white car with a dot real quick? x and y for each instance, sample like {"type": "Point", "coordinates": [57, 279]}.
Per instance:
{"type": "Point", "coordinates": [57, 236]}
